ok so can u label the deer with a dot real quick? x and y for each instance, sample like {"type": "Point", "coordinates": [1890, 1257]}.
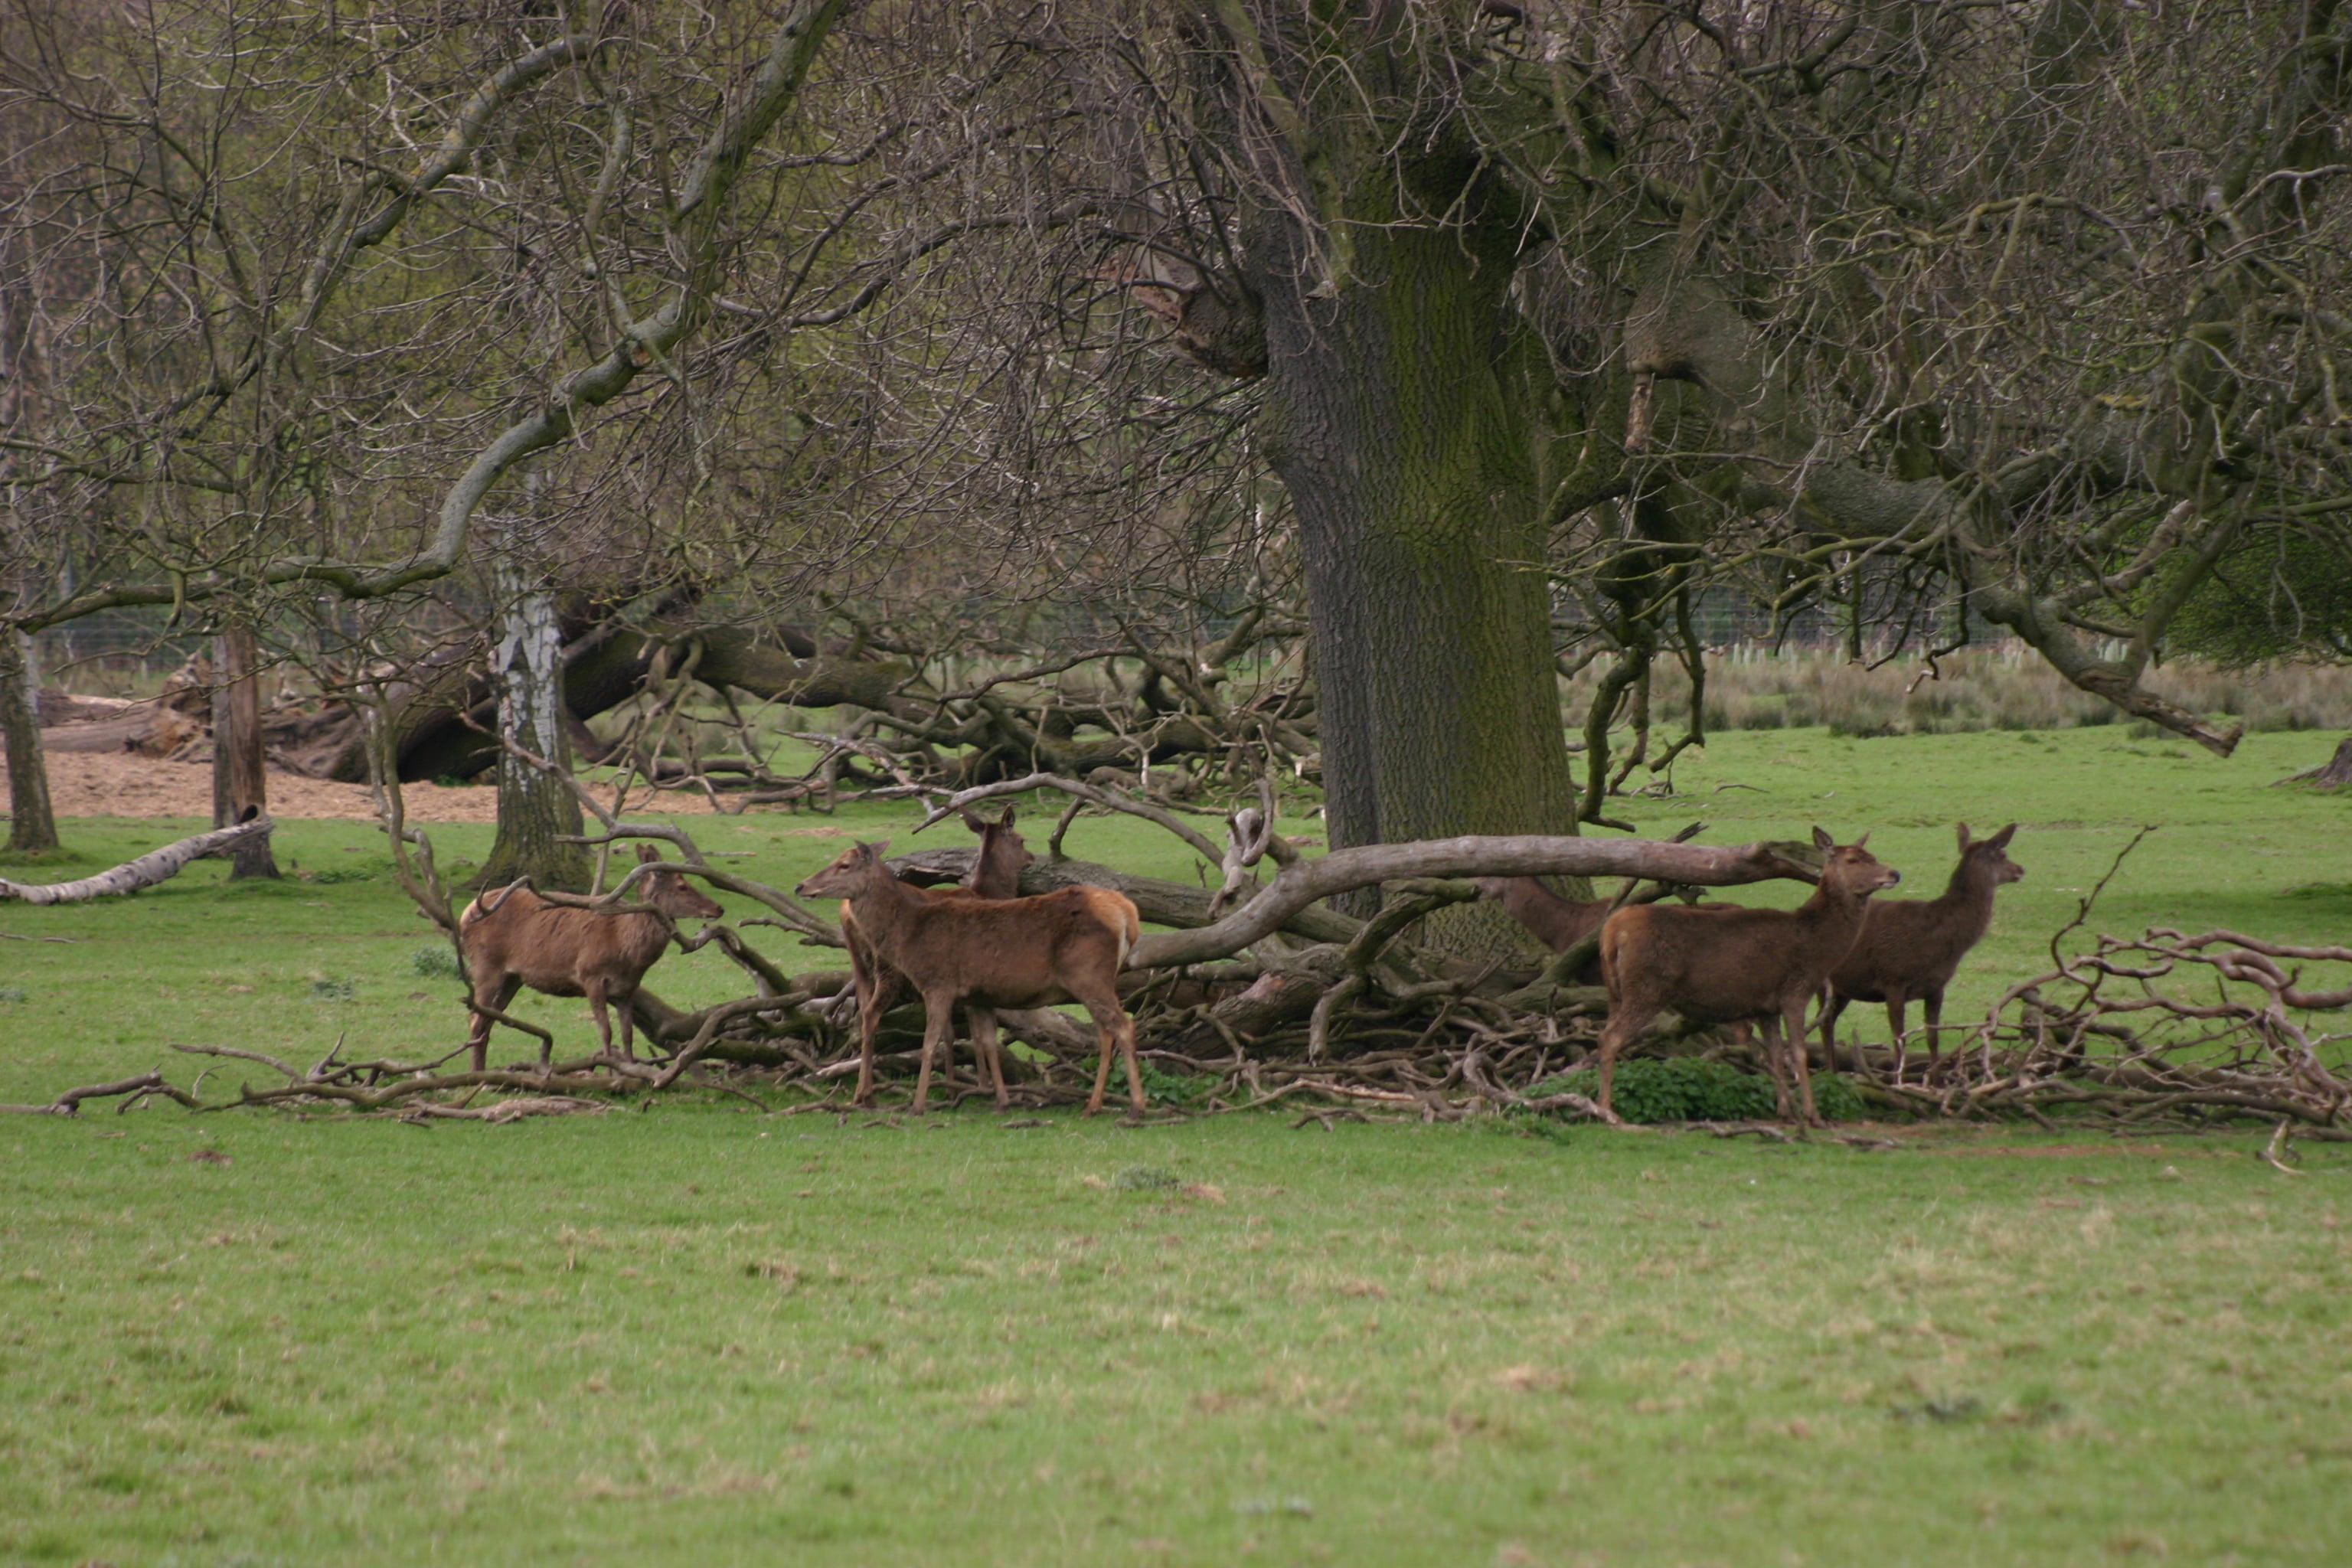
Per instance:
{"type": "Point", "coordinates": [1559, 923]}
{"type": "Point", "coordinates": [1910, 948]}
{"type": "Point", "coordinates": [995, 874]}
{"type": "Point", "coordinates": [1723, 965]}
{"type": "Point", "coordinates": [1068, 944]}
{"type": "Point", "coordinates": [514, 938]}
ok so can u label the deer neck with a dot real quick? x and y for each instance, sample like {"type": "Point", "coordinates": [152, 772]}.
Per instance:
{"type": "Point", "coordinates": [648, 931]}
{"type": "Point", "coordinates": [1967, 898]}
{"type": "Point", "coordinates": [1835, 913]}
{"type": "Point", "coordinates": [882, 907]}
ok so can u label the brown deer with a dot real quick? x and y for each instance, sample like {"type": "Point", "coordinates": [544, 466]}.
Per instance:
{"type": "Point", "coordinates": [994, 953]}
{"type": "Point", "coordinates": [514, 938]}
{"type": "Point", "coordinates": [995, 874]}
{"type": "Point", "coordinates": [1721, 964]}
{"type": "Point", "coordinates": [1559, 923]}
{"type": "Point", "coordinates": [1910, 948]}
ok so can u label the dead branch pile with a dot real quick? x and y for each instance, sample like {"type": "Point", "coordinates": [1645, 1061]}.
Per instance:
{"type": "Point", "coordinates": [2162, 1029]}
{"type": "Point", "coordinates": [1257, 993]}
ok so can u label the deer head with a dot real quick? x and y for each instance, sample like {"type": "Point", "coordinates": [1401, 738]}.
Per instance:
{"type": "Point", "coordinates": [1989, 854]}
{"type": "Point", "coordinates": [1850, 868]}
{"type": "Point", "coordinates": [1001, 848]}
{"type": "Point", "coordinates": [668, 890]}
{"type": "Point", "coordinates": [851, 873]}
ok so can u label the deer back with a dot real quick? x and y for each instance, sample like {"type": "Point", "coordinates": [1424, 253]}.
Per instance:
{"type": "Point", "coordinates": [557, 949]}
{"type": "Point", "coordinates": [1720, 963]}
{"type": "Point", "coordinates": [1559, 923]}
{"type": "Point", "coordinates": [1917, 943]}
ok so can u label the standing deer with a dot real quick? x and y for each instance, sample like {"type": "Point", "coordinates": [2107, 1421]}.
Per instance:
{"type": "Point", "coordinates": [514, 938]}
{"type": "Point", "coordinates": [995, 874]}
{"type": "Point", "coordinates": [994, 953]}
{"type": "Point", "coordinates": [1721, 964]}
{"type": "Point", "coordinates": [1912, 947]}
{"type": "Point", "coordinates": [1559, 923]}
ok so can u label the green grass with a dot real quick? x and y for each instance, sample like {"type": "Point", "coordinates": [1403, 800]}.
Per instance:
{"type": "Point", "coordinates": [699, 1335]}
{"type": "Point", "coordinates": [703, 1336]}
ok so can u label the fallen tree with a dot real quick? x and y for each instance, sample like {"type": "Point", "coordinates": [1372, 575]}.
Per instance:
{"type": "Point", "coordinates": [155, 865]}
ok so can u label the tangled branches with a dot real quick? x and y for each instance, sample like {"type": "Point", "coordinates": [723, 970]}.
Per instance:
{"type": "Point", "coordinates": [2117, 1032]}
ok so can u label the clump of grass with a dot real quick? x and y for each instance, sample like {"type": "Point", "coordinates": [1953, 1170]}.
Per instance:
{"type": "Point", "coordinates": [1690, 1089]}
{"type": "Point", "coordinates": [1145, 1179]}
{"type": "Point", "coordinates": [435, 964]}
{"type": "Point", "coordinates": [331, 988]}
{"type": "Point", "coordinates": [11, 993]}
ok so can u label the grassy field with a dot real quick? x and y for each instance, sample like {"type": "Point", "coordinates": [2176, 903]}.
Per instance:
{"type": "Point", "coordinates": [701, 1335]}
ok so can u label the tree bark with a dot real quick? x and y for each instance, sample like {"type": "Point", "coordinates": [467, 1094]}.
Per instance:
{"type": "Point", "coordinates": [1399, 413]}
{"type": "Point", "coordinates": [536, 809]}
{"type": "Point", "coordinates": [240, 774]}
{"type": "Point", "coordinates": [32, 825]}
{"type": "Point", "coordinates": [2334, 774]}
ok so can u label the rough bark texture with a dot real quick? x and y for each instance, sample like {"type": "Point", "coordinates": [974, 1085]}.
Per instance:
{"type": "Point", "coordinates": [240, 777]}
{"type": "Point", "coordinates": [536, 810]}
{"type": "Point", "coordinates": [1397, 415]}
{"type": "Point", "coordinates": [31, 823]}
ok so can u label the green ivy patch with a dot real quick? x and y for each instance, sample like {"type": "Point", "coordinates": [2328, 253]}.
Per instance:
{"type": "Point", "coordinates": [1690, 1089]}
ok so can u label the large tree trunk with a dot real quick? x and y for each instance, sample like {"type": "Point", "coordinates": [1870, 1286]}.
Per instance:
{"type": "Point", "coordinates": [1398, 413]}
{"type": "Point", "coordinates": [31, 823]}
{"type": "Point", "coordinates": [536, 808]}
{"type": "Point", "coordinates": [240, 774]}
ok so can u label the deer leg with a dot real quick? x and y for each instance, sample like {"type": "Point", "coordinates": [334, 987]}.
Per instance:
{"type": "Point", "coordinates": [876, 989]}
{"type": "Point", "coordinates": [595, 990]}
{"type": "Point", "coordinates": [1832, 1005]}
{"type": "Point", "coordinates": [938, 1022]}
{"type": "Point", "coordinates": [990, 1064]}
{"type": "Point", "coordinates": [1775, 1051]}
{"type": "Point", "coordinates": [1793, 1029]}
{"type": "Point", "coordinates": [1932, 1005]}
{"type": "Point", "coordinates": [1620, 1029]}
{"type": "Point", "coordinates": [1126, 1028]}
{"type": "Point", "coordinates": [494, 994]}
{"type": "Point", "coordinates": [1895, 1000]}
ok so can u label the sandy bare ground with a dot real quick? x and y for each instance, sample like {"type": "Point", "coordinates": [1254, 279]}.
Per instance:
{"type": "Point", "coordinates": [101, 784]}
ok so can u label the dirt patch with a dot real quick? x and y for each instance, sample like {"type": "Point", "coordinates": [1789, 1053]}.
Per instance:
{"type": "Point", "coordinates": [2048, 1152]}
{"type": "Point", "coordinates": [110, 783]}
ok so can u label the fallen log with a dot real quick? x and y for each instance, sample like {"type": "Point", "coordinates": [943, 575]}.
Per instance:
{"type": "Point", "coordinates": [1342, 870]}
{"type": "Point", "coordinates": [155, 865]}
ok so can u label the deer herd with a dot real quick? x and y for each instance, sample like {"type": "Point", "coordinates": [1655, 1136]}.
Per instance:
{"type": "Point", "coordinates": [984, 947]}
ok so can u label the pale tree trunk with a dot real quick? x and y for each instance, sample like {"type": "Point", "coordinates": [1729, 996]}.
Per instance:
{"type": "Point", "coordinates": [535, 807]}
{"type": "Point", "coordinates": [31, 823]}
{"type": "Point", "coordinates": [240, 771]}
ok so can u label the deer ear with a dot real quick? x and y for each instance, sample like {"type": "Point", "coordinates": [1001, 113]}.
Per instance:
{"type": "Point", "coordinates": [2000, 840]}
{"type": "Point", "coordinates": [1006, 820]}
{"type": "Point", "coordinates": [648, 854]}
{"type": "Point", "coordinates": [971, 821]}
{"type": "Point", "coordinates": [1861, 841]}
{"type": "Point", "coordinates": [1822, 840]}
{"type": "Point", "coordinates": [1964, 834]}
{"type": "Point", "coordinates": [874, 851]}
